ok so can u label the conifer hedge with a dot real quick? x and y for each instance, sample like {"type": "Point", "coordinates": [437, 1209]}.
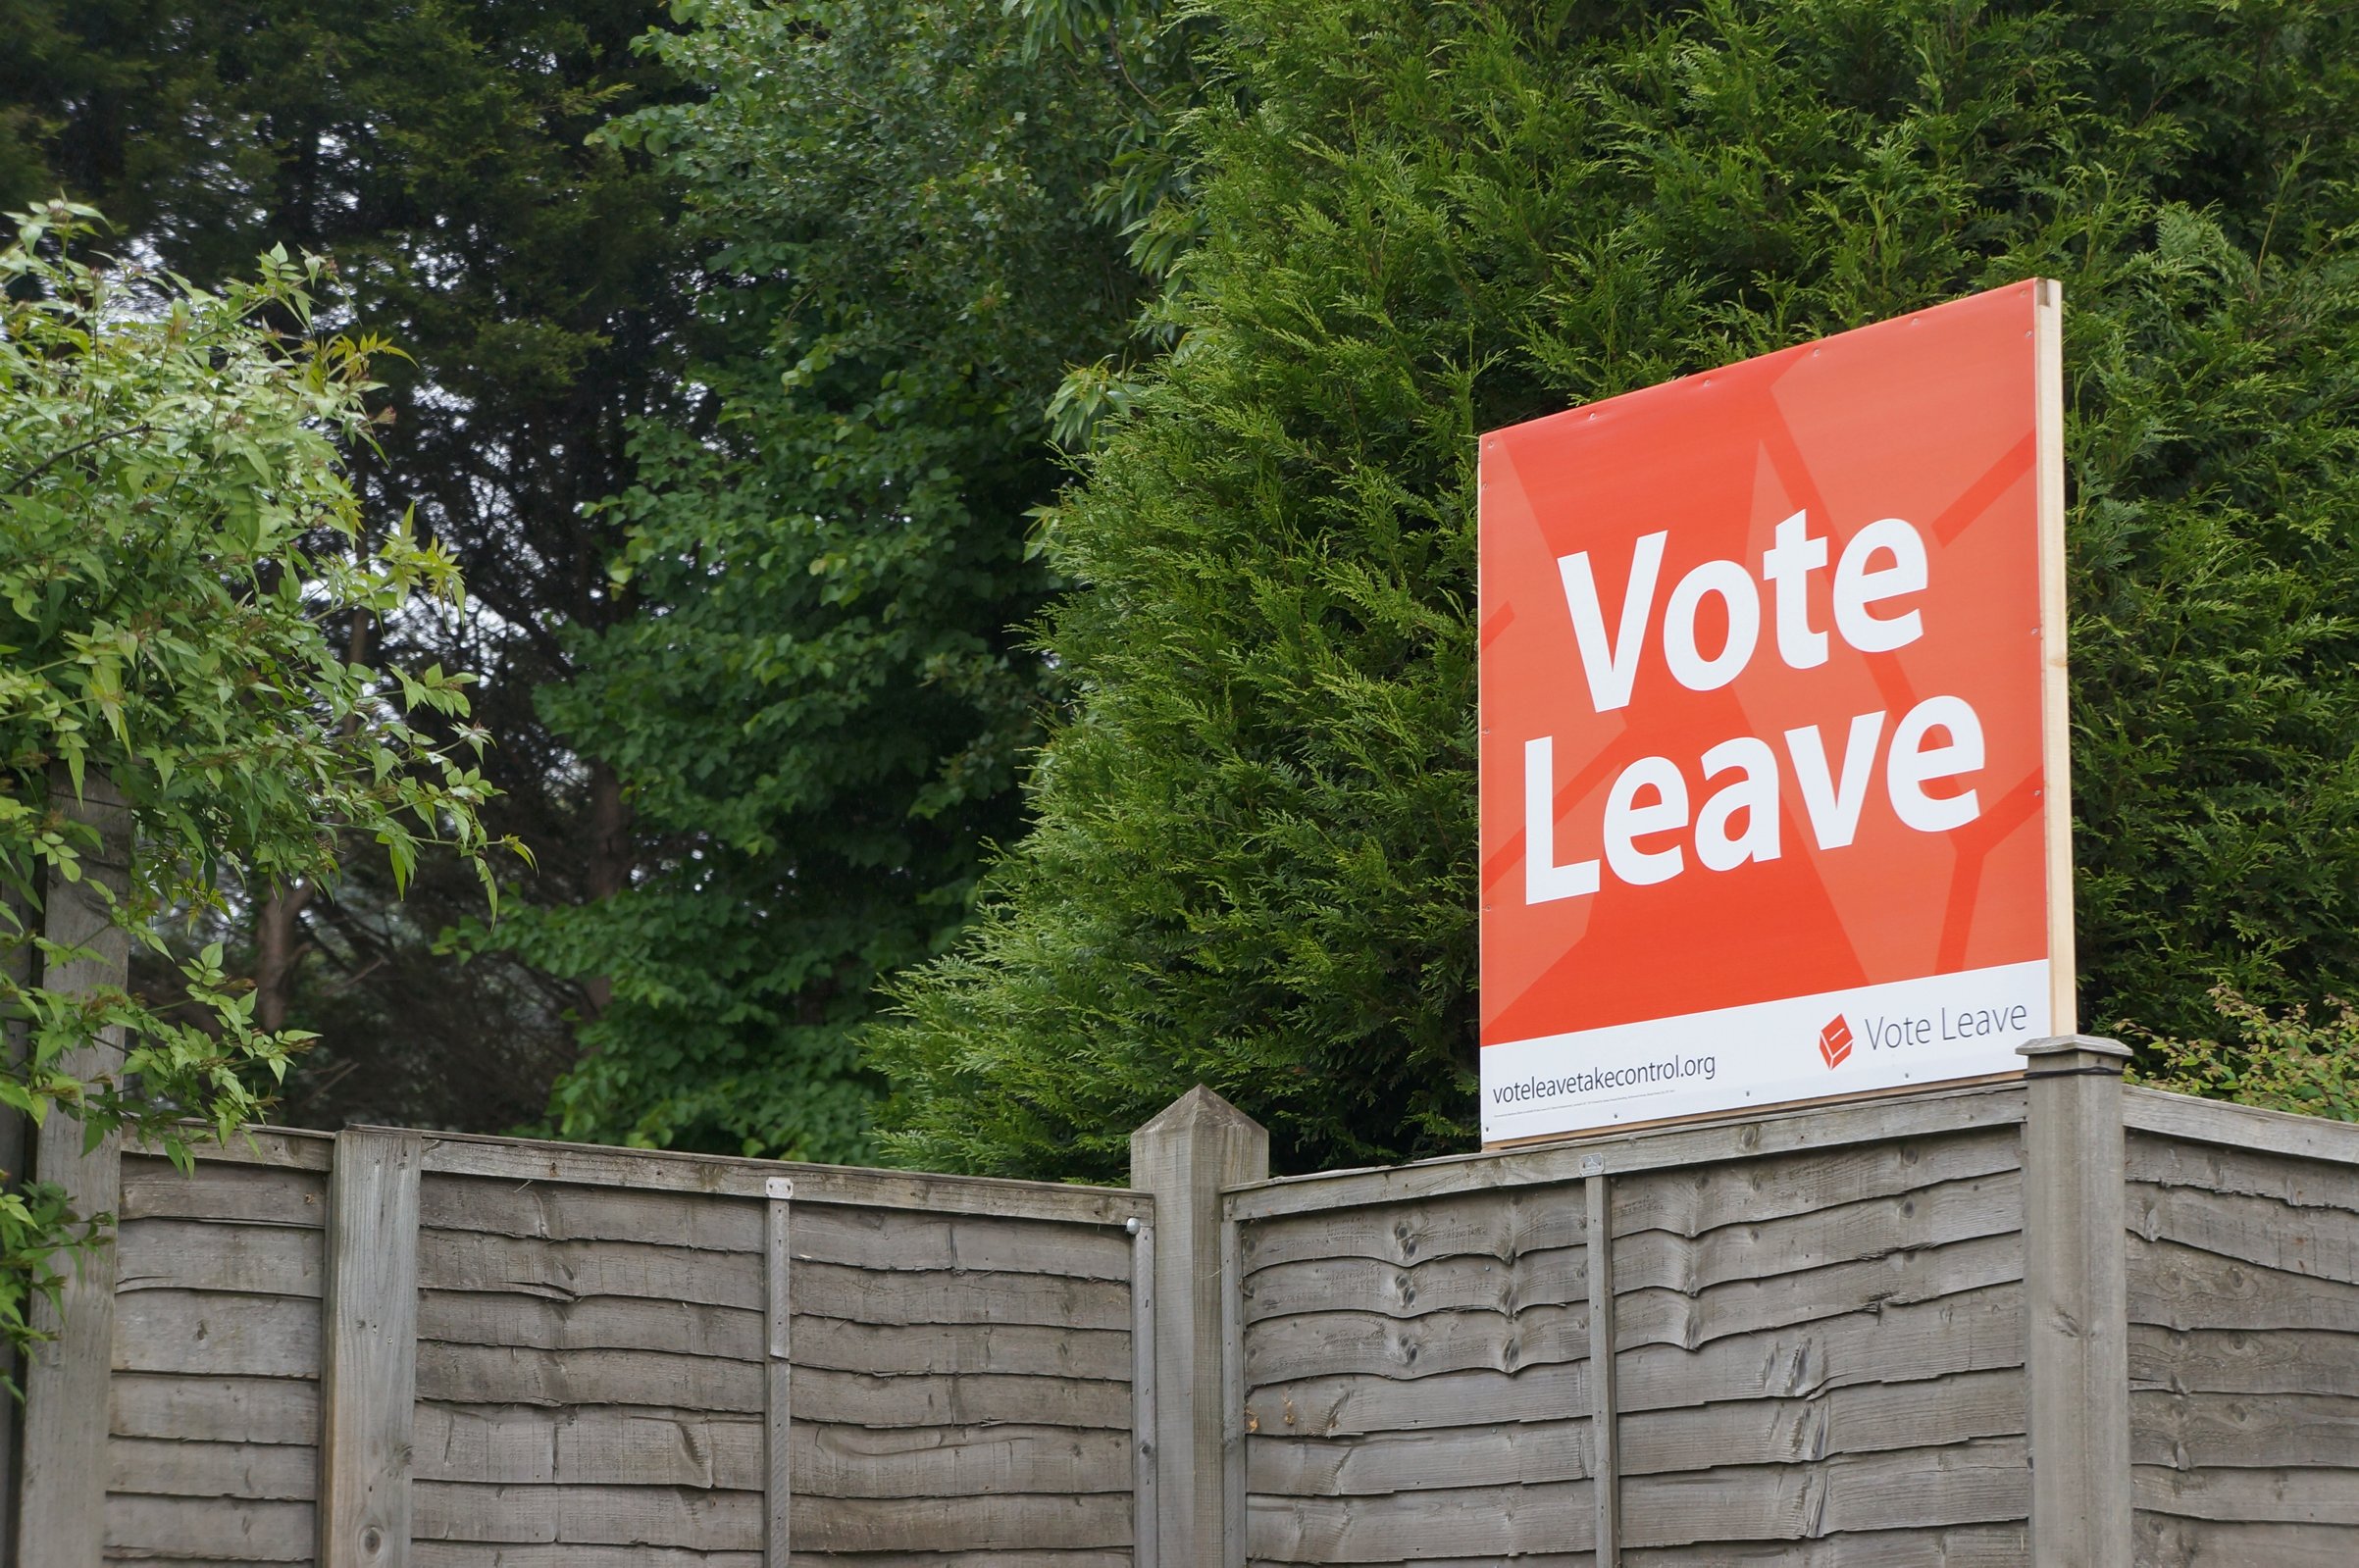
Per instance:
{"type": "Point", "coordinates": [1253, 864]}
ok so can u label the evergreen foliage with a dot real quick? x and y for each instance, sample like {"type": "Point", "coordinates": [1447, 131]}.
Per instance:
{"type": "Point", "coordinates": [1253, 862]}
{"type": "Point", "coordinates": [819, 707]}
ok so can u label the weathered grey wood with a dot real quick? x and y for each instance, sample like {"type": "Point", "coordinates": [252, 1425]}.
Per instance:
{"type": "Point", "coordinates": [958, 1526]}
{"type": "Point", "coordinates": [1972, 1483]}
{"type": "Point", "coordinates": [1958, 1546]}
{"type": "Point", "coordinates": [1181, 1161]}
{"type": "Point", "coordinates": [2167, 1542]}
{"type": "Point", "coordinates": [2218, 1431]}
{"type": "Point", "coordinates": [458, 1261]}
{"type": "Point", "coordinates": [2242, 1126]}
{"type": "Point", "coordinates": [557, 1211]}
{"type": "Point", "coordinates": [2261, 1230]}
{"type": "Point", "coordinates": [660, 1171]}
{"type": "Point", "coordinates": [217, 1332]}
{"type": "Point", "coordinates": [1146, 1551]}
{"type": "Point", "coordinates": [1605, 1425]}
{"type": "Point", "coordinates": [778, 1372]}
{"type": "Point", "coordinates": [471, 1555]}
{"type": "Point", "coordinates": [1462, 1281]}
{"type": "Point", "coordinates": [196, 1254]}
{"type": "Point", "coordinates": [467, 1374]}
{"type": "Point", "coordinates": [183, 1530]}
{"type": "Point", "coordinates": [591, 1323]}
{"type": "Point", "coordinates": [1909, 1219]}
{"type": "Point", "coordinates": [2234, 1361]}
{"type": "Point", "coordinates": [954, 1296]}
{"type": "Point", "coordinates": [228, 1409]}
{"type": "Point", "coordinates": [1478, 1224]}
{"type": "Point", "coordinates": [231, 1471]}
{"type": "Point", "coordinates": [1367, 1343]}
{"type": "Point", "coordinates": [891, 1239]}
{"type": "Point", "coordinates": [1235, 1426]}
{"type": "Point", "coordinates": [596, 1446]}
{"type": "Point", "coordinates": [859, 1399]}
{"type": "Point", "coordinates": [2293, 1497]}
{"type": "Point", "coordinates": [2076, 1311]}
{"type": "Point", "coordinates": [2157, 1160]}
{"type": "Point", "coordinates": [368, 1382]}
{"type": "Point", "coordinates": [844, 1461]}
{"type": "Point", "coordinates": [1854, 1418]}
{"type": "Point", "coordinates": [1418, 1526]}
{"type": "Point", "coordinates": [265, 1147]}
{"type": "Point", "coordinates": [1653, 1315]}
{"type": "Point", "coordinates": [218, 1191]}
{"type": "Point", "coordinates": [605, 1516]}
{"type": "Point", "coordinates": [62, 1468]}
{"type": "Point", "coordinates": [1827, 1126]}
{"type": "Point", "coordinates": [2186, 1288]}
{"type": "Point", "coordinates": [962, 1347]}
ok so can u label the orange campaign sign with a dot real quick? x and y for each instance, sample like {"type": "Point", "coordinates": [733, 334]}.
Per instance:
{"type": "Point", "coordinates": [1774, 789]}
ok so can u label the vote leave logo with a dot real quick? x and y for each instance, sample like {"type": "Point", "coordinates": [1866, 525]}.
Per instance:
{"type": "Point", "coordinates": [1834, 1043]}
{"type": "Point", "coordinates": [1768, 697]}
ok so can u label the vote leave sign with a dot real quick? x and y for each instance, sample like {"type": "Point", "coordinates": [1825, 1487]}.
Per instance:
{"type": "Point", "coordinates": [1774, 793]}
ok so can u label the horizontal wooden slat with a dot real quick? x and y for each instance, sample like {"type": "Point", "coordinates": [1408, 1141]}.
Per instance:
{"type": "Point", "coordinates": [1462, 1281]}
{"type": "Point", "coordinates": [457, 1260]}
{"type": "Point", "coordinates": [1909, 1489]}
{"type": "Point", "coordinates": [469, 1554]}
{"type": "Point", "coordinates": [245, 1194]}
{"type": "Point", "coordinates": [1488, 1522]}
{"type": "Point", "coordinates": [554, 1211]}
{"type": "Point", "coordinates": [892, 1240]}
{"type": "Point", "coordinates": [2215, 1167]}
{"type": "Point", "coordinates": [1698, 1201]}
{"type": "Point", "coordinates": [1662, 1316]}
{"type": "Point", "coordinates": [589, 1323]}
{"type": "Point", "coordinates": [1010, 1522]}
{"type": "Point", "coordinates": [859, 1399]}
{"type": "Point", "coordinates": [1480, 1223]}
{"type": "Point", "coordinates": [1448, 1458]}
{"type": "Point", "coordinates": [1369, 1344]}
{"type": "Point", "coordinates": [1933, 1113]}
{"type": "Point", "coordinates": [2184, 1287]}
{"type": "Point", "coordinates": [1020, 1348]}
{"type": "Point", "coordinates": [2203, 1430]}
{"type": "Point", "coordinates": [280, 1147]}
{"type": "Point", "coordinates": [841, 1461]}
{"type": "Point", "coordinates": [2263, 1231]}
{"type": "Point", "coordinates": [494, 1375]}
{"type": "Point", "coordinates": [205, 1255]}
{"type": "Point", "coordinates": [205, 1331]}
{"type": "Point", "coordinates": [2163, 1542]}
{"type": "Point", "coordinates": [2294, 1497]}
{"type": "Point", "coordinates": [225, 1409]}
{"type": "Point", "coordinates": [1037, 1557]}
{"type": "Point", "coordinates": [178, 1529]}
{"type": "Point", "coordinates": [974, 1295]}
{"type": "Point", "coordinates": [184, 1467]}
{"type": "Point", "coordinates": [592, 1446]}
{"type": "Point", "coordinates": [2237, 1361]}
{"type": "Point", "coordinates": [1965, 1546]}
{"type": "Point", "coordinates": [523, 1160]}
{"type": "Point", "coordinates": [600, 1516]}
{"type": "Point", "coordinates": [1975, 1208]}
{"type": "Point", "coordinates": [2243, 1127]}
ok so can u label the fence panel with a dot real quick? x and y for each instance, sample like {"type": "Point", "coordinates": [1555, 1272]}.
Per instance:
{"type": "Point", "coordinates": [2243, 1337]}
{"type": "Point", "coordinates": [213, 1414]}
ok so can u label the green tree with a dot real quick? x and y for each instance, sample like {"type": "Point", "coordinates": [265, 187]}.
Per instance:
{"type": "Point", "coordinates": [1253, 858]}
{"type": "Point", "coordinates": [820, 705]}
{"type": "Point", "coordinates": [182, 565]}
{"type": "Point", "coordinates": [441, 152]}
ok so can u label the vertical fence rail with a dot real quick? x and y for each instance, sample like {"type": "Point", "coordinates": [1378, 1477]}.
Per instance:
{"type": "Point", "coordinates": [777, 1405]}
{"type": "Point", "coordinates": [61, 1516]}
{"type": "Point", "coordinates": [368, 1355]}
{"type": "Point", "coordinates": [1605, 1456]}
{"type": "Point", "coordinates": [1144, 1478]}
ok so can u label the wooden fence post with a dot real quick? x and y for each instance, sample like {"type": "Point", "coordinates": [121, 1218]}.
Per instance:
{"type": "Point", "coordinates": [369, 1358]}
{"type": "Point", "coordinates": [1605, 1418]}
{"type": "Point", "coordinates": [61, 1513]}
{"type": "Point", "coordinates": [778, 1372]}
{"type": "Point", "coordinates": [1184, 1157]}
{"type": "Point", "coordinates": [2076, 1303]}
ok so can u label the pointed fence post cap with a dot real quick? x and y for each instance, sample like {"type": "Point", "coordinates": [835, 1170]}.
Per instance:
{"type": "Point", "coordinates": [1199, 1108]}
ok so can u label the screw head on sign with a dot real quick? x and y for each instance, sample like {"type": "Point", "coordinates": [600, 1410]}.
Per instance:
{"type": "Point", "coordinates": [1834, 1043]}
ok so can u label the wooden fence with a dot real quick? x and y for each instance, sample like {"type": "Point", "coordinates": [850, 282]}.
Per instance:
{"type": "Point", "coordinates": [2053, 1321]}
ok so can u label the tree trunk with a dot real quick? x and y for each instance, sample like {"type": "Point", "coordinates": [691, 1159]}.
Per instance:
{"type": "Point", "coordinates": [609, 860]}
{"type": "Point", "coordinates": [278, 946]}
